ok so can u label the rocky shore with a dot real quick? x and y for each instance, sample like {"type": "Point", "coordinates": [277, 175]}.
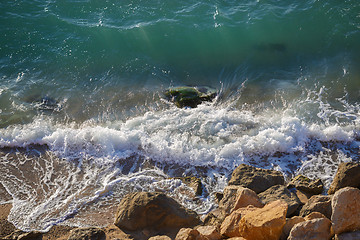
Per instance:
{"type": "Point", "coordinates": [256, 204]}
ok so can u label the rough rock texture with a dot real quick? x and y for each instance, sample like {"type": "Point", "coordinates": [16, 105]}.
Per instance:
{"type": "Point", "coordinates": [160, 238]}
{"type": "Point", "coordinates": [193, 182]}
{"type": "Point", "coordinates": [230, 225]}
{"type": "Point", "coordinates": [290, 223]}
{"type": "Point", "coordinates": [317, 203]}
{"type": "Point", "coordinates": [87, 234]}
{"type": "Point", "coordinates": [314, 215]}
{"type": "Point", "coordinates": [319, 229]}
{"type": "Point", "coordinates": [281, 192]}
{"type": "Point", "coordinates": [188, 234]}
{"type": "Point", "coordinates": [141, 210]}
{"type": "Point", "coordinates": [20, 235]}
{"type": "Point", "coordinates": [214, 218]}
{"type": "Point", "coordinates": [348, 236]}
{"type": "Point", "coordinates": [347, 175]}
{"type": "Point", "coordinates": [209, 232]}
{"type": "Point", "coordinates": [306, 185]}
{"type": "Point", "coordinates": [190, 96]}
{"type": "Point", "coordinates": [303, 197]}
{"type": "Point", "coordinates": [346, 210]}
{"type": "Point", "coordinates": [237, 197]}
{"type": "Point", "coordinates": [237, 238]}
{"type": "Point", "coordinates": [256, 179]}
{"type": "Point", "coordinates": [264, 223]}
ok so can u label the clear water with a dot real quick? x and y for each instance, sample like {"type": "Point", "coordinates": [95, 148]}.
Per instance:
{"type": "Point", "coordinates": [82, 115]}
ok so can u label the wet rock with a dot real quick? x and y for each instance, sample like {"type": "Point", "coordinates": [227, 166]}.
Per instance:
{"type": "Point", "coordinates": [290, 223]}
{"type": "Point", "coordinates": [317, 203]}
{"type": "Point", "coordinates": [230, 226]}
{"type": "Point", "coordinates": [306, 185]}
{"type": "Point", "coordinates": [346, 210]}
{"type": "Point", "coordinates": [264, 223]}
{"type": "Point", "coordinates": [193, 182]}
{"type": "Point", "coordinates": [141, 210]}
{"type": "Point", "coordinates": [209, 232]}
{"type": "Point", "coordinates": [87, 234]}
{"type": "Point", "coordinates": [347, 175]}
{"type": "Point", "coordinates": [20, 235]}
{"type": "Point", "coordinates": [281, 192]}
{"type": "Point", "coordinates": [319, 228]}
{"type": "Point", "coordinates": [348, 236]}
{"type": "Point", "coordinates": [256, 179]}
{"type": "Point", "coordinates": [190, 96]}
{"type": "Point", "coordinates": [238, 197]}
{"type": "Point", "coordinates": [47, 103]}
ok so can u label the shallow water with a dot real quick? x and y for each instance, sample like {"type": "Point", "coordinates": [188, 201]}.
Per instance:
{"type": "Point", "coordinates": [84, 120]}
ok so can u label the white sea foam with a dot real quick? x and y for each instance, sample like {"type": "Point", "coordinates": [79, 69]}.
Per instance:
{"type": "Point", "coordinates": [101, 162]}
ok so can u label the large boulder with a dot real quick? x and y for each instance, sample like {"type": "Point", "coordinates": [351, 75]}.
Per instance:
{"type": "Point", "coordinates": [281, 192]}
{"type": "Point", "coordinates": [264, 223]}
{"type": "Point", "coordinates": [230, 226]}
{"type": "Point", "coordinates": [190, 96]}
{"type": "Point", "coordinates": [87, 234]}
{"type": "Point", "coordinates": [235, 197]}
{"type": "Point", "coordinates": [346, 210]}
{"type": "Point", "coordinates": [155, 210]}
{"type": "Point", "coordinates": [319, 229]}
{"type": "Point", "coordinates": [256, 179]}
{"type": "Point", "coordinates": [306, 185]}
{"type": "Point", "coordinates": [347, 175]}
{"type": "Point", "coordinates": [317, 203]}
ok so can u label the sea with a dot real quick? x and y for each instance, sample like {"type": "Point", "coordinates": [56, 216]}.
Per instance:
{"type": "Point", "coordinates": [84, 120]}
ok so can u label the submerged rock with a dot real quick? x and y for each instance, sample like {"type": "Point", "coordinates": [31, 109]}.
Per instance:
{"type": "Point", "coordinates": [190, 96]}
{"type": "Point", "coordinates": [47, 104]}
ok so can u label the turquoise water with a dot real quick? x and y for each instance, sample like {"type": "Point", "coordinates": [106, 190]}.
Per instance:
{"type": "Point", "coordinates": [82, 82]}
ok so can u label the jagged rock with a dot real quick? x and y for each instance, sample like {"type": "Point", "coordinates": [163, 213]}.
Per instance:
{"type": "Point", "coordinates": [264, 223]}
{"type": "Point", "coordinates": [214, 218]}
{"type": "Point", "coordinates": [305, 184]}
{"type": "Point", "coordinates": [348, 236]}
{"type": "Point", "coordinates": [347, 175]}
{"type": "Point", "coordinates": [346, 210]}
{"type": "Point", "coordinates": [317, 203]}
{"type": "Point", "coordinates": [188, 234]}
{"type": "Point", "coordinates": [238, 197]}
{"type": "Point", "coordinates": [319, 229]}
{"type": "Point", "coordinates": [141, 210]}
{"type": "Point", "coordinates": [209, 232]}
{"type": "Point", "coordinates": [256, 179]}
{"type": "Point", "coordinates": [290, 223]}
{"type": "Point", "coordinates": [190, 96]}
{"type": "Point", "coordinates": [193, 182]}
{"type": "Point", "coordinates": [87, 234]}
{"type": "Point", "coordinates": [230, 226]}
{"type": "Point", "coordinates": [281, 192]}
